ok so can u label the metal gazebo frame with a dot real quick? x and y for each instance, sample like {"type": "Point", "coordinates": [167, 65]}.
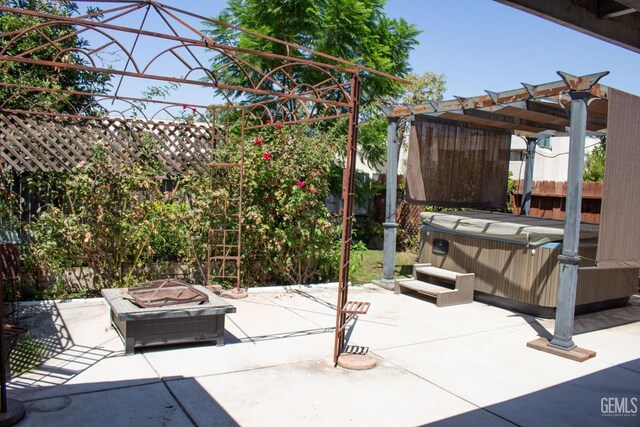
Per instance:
{"type": "Point", "coordinates": [52, 143]}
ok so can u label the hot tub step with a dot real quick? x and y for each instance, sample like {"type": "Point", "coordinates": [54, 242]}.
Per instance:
{"type": "Point", "coordinates": [424, 287]}
{"type": "Point", "coordinates": [439, 273]}
{"type": "Point", "coordinates": [453, 288]}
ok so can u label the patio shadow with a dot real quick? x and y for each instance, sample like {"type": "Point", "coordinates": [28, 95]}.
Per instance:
{"type": "Point", "coordinates": [589, 400]}
{"type": "Point", "coordinates": [171, 401]}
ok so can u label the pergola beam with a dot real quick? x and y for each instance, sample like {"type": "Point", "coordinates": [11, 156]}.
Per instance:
{"type": "Point", "coordinates": [556, 89]}
{"type": "Point", "coordinates": [514, 122]}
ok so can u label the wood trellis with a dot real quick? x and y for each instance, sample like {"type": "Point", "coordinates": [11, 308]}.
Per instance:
{"type": "Point", "coordinates": [36, 141]}
{"type": "Point", "coordinates": [60, 137]}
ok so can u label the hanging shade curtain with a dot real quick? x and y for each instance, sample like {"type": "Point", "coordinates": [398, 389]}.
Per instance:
{"type": "Point", "coordinates": [453, 166]}
{"type": "Point", "coordinates": [619, 241]}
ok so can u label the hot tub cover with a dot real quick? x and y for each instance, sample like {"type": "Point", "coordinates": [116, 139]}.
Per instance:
{"type": "Point", "coordinates": [526, 230]}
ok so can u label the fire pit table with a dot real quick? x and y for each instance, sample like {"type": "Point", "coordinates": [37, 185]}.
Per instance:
{"type": "Point", "coordinates": [172, 324]}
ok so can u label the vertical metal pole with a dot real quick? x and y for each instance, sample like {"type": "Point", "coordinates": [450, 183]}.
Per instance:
{"type": "Point", "coordinates": [214, 118]}
{"type": "Point", "coordinates": [528, 176]}
{"type": "Point", "coordinates": [3, 362]}
{"type": "Point", "coordinates": [3, 377]}
{"type": "Point", "coordinates": [240, 201]}
{"type": "Point", "coordinates": [348, 189]}
{"type": "Point", "coordinates": [569, 259]}
{"type": "Point", "coordinates": [389, 224]}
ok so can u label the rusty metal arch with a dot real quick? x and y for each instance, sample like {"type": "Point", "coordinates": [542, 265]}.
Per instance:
{"type": "Point", "coordinates": [25, 31]}
{"type": "Point", "coordinates": [335, 96]}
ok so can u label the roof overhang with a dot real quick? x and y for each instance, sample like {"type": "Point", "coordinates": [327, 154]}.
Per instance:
{"type": "Point", "coordinates": [614, 21]}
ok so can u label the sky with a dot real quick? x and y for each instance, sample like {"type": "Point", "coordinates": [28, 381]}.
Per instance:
{"type": "Point", "coordinates": [482, 44]}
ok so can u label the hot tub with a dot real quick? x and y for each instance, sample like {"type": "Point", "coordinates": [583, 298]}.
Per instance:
{"type": "Point", "coordinates": [515, 260]}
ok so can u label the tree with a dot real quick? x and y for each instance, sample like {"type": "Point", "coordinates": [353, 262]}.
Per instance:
{"type": "Point", "coordinates": [426, 87]}
{"type": "Point", "coordinates": [594, 162]}
{"type": "Point", "coordinates": [14, 72]}
{"type": "Point", "coordinates": [355, 30]}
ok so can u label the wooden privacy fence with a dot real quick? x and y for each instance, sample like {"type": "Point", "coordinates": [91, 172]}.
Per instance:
{"type": "Point", "coordinates": [548, 200]}
{"type": "Point", "coordinates": [32, 142]}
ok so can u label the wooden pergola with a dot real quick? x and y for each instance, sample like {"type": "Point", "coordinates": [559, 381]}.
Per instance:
{"type": "Point", "coordinates": [573, 106]}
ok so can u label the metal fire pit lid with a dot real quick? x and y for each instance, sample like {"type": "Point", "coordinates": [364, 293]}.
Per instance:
{"type": "Point", "coordinates": [160, 293]}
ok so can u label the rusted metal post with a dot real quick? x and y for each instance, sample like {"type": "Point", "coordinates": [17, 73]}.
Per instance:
{"type": "Point", "coordinates": [348, 189]}
{"type": "Point", "coordinates": [3, 362]}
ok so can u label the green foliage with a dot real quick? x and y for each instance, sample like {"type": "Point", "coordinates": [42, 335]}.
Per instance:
{"type": "Point", "coordinates": [594, 162]}
{"type": "Point", "coordinates": [355, 30]}
{"type": "Point", "coordinates": [41, 76]}
{"type": "Point", "coordinates": [288, 230]}
{"type": "Point", "coordinates": [9, 204]}
{"type": "Point", "coordinates": [117, 221]}
{"type": "Point", "coordinates": [106, 217]}
{"type": "Point", "coordinates": [426, 87]}
{"type": "Point", "coordinates": [366, 230]}
{"type": "Point", "coordinates": [512, 189]}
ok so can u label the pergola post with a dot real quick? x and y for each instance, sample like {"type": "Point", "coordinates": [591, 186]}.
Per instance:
{"type": "Point", "coordinates": [528, 175]}
{"type": "Point", "coordinates": [569, 259]}
{"type": "Point", "coordinates": [390, 225]}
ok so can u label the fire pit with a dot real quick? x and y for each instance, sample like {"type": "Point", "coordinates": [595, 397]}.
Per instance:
{"type": "Point", "coordinates": [161, 293]}
{"type": "Point", "coordinates": [167, 312]}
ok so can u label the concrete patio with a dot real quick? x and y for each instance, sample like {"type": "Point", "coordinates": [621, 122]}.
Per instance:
{"type": "Point", "coordinates": [460, 365]}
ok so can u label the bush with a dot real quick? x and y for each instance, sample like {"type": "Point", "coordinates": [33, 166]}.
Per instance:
{"type": "Point", "coordinates": [117, 221]}
{"type": "Point", "coordinates": [594, 163]}
{"type": "Point", "coordinates": [289, 233]}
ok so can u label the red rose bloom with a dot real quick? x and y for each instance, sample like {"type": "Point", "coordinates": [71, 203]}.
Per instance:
{"type": "Point", "coordinates": [194, 110]}
{"type": "Point", "coordinates": [184, 106]}
{"type": "Point", "coordinates": [300, 184]}
{"type": "Point", "coordinates": [278, 126]}
{"type": "Point", "coordinates": [266, 156]}
{"type": "Point", "coordinates": [258, 141]}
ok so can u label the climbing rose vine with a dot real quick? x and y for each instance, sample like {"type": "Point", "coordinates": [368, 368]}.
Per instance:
{"type": "Point", "coordinates": [289, 235]}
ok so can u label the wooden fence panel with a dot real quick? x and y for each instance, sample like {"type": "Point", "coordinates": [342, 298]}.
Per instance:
{"type": "Point", "coordinates": [548, 199]}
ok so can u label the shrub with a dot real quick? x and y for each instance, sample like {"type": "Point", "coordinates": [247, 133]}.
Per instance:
{"type": "Point", "coordinates": [117, 220]}
{"type": "Point", "coordinates": [594, 162]}
{"type": "Point", "coordinates": [288, 232]}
